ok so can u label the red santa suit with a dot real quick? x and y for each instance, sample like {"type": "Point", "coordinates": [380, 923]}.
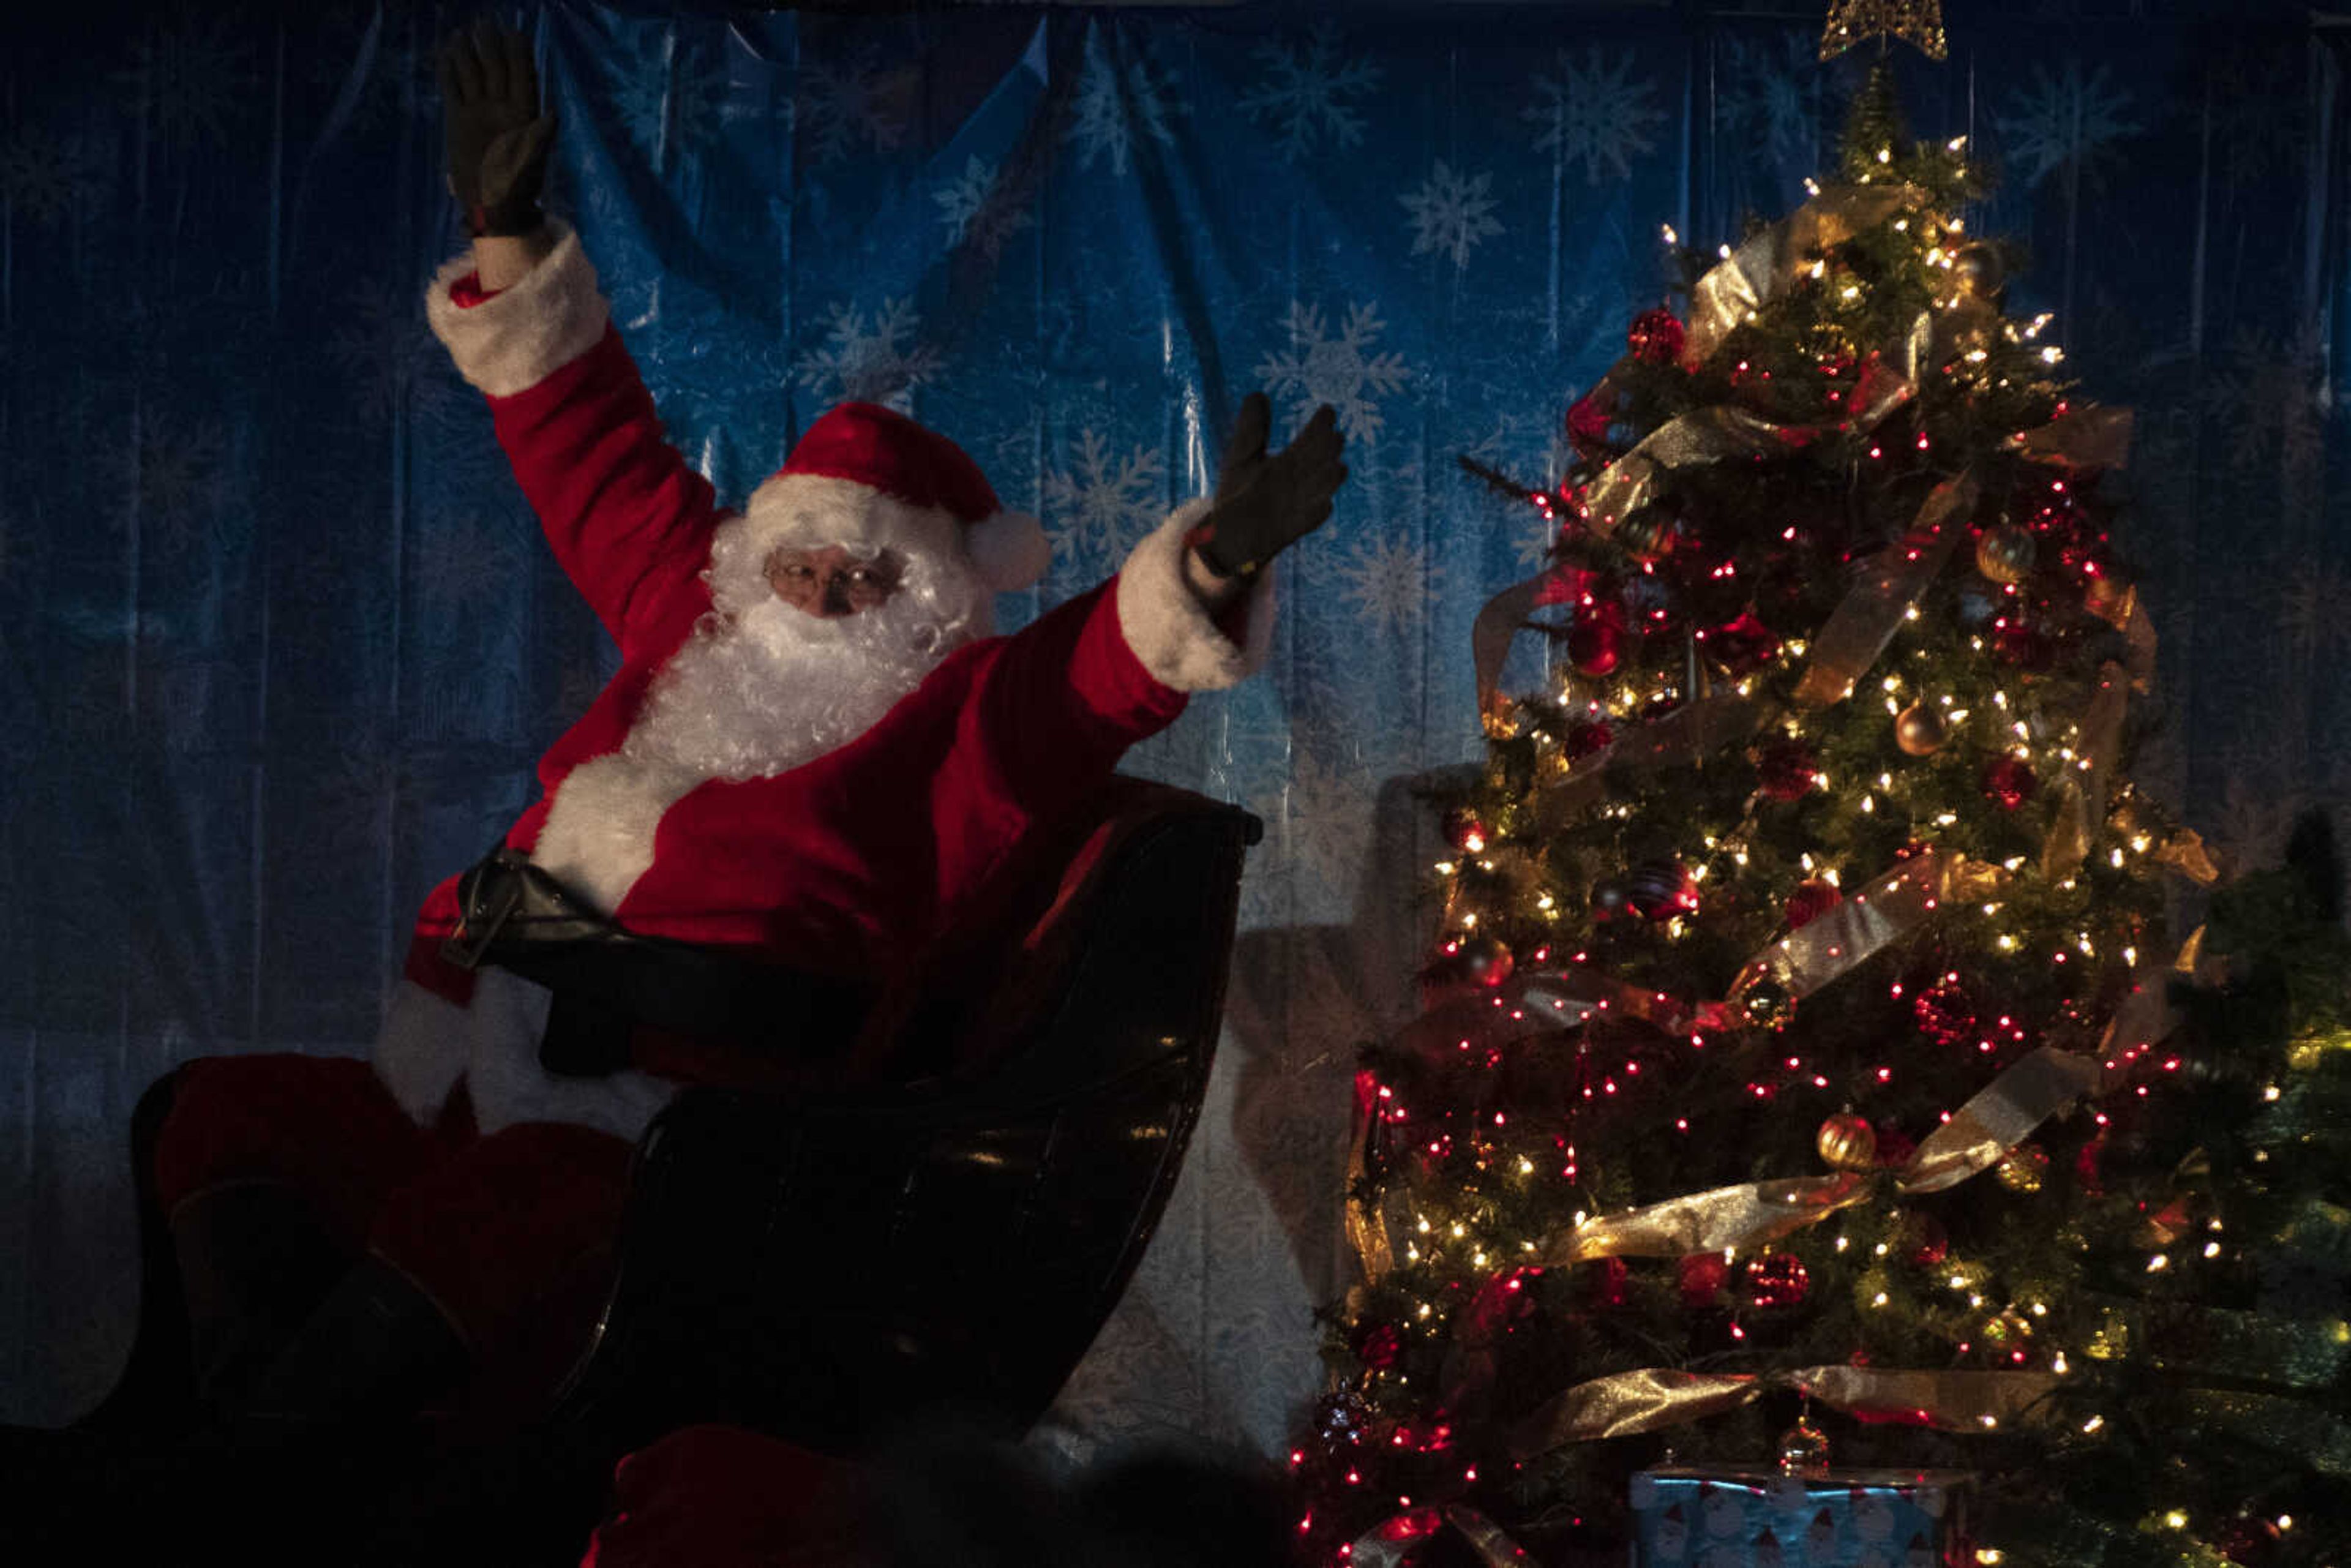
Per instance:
{"type": "Point", "coordinates": [842, 862]}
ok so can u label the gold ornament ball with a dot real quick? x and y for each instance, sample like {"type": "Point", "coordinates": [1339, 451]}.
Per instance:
{"type": "Point", "coordinates": [2005, 554]}
{"type": "Point", "coordinates": [2105, 594]}
{"type": "Point", "coordinates": [2023, 1168]}
{"type": "Point", "coordinates": [1804, 1452]}
{"type": "Point", "coordinates": [1847, 1142]}
{"type": "Point", "coordinates": [1768, 1005]}
{"type": "Point", "coordinates": [1979, 268]}
{"type": "Point", "coordinates": [1920, 729]}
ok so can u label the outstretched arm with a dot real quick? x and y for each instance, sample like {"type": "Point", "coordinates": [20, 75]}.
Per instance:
{"type": "Point", "coordinates": [1189, 611]}
{"type": "Point", "coordinates": [623, 512]}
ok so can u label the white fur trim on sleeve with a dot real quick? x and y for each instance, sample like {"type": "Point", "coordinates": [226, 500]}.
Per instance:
{"type": "Point", "coordinates": [521, 336]}
{"type": "Point", "coordinates": [507, 1085]}
{"type": "Point", "coordinates": [429, 1042]}
{"type": "Point", "coordinates": [420, 1050]}
{"type": "Point", "coordinates": [1170, 631]}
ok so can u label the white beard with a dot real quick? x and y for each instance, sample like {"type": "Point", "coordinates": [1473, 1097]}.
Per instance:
{"type": "Point", "coordinates": [752, 694]}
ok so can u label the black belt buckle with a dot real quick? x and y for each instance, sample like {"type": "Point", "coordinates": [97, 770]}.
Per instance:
{"type": "Point", "coordinates": [466, 947]}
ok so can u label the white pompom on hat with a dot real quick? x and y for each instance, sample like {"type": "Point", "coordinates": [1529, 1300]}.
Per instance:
{"type": "Point", "coordinates": [882, 450]}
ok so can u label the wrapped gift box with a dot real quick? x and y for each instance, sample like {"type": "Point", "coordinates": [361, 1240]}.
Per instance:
{"type": "Point", "coordinates": [1686, 1516]}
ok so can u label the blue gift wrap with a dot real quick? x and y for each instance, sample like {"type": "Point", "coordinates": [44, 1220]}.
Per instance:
{"type": "Point", "coordinates": [1686, 1516]}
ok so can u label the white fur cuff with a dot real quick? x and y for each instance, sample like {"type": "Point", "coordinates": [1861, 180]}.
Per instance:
{"type": "Point", "coordinates": [524, 334]}
{"type": "Point", "coordinates": [1170, 631]}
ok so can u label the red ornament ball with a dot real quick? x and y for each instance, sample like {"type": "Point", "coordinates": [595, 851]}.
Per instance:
{"type": "Point", "coordinates": [1895, 1148]}
{"type": "Point", "coordinates": [2008, 783]}
{"type": "Point", "coordinates": [1812, 899]}
{"type": "Point", "coordinates": [1595, 646]}
{"type": "Point", "coordinates": [1741, 646]}
{"type": "Point", "coordinates": [1655, 337]}
{"type": "Point", "coordinates": [1464, 829]}
{"type": "Point", "coordinates": [1945, 1013]}
{"type": "Point", "coordinates": [1662, 889]}
{"type": "Point", "coordinates": [2026, 647]}
{"type": "Point", "coordinates": [1701, 1278]}
{"type": "Point", "coordinates": [1377, 1345]}
{"type": "Point", "coordinates": [1658, 706]}
{"type": "Point", "coordinates": [1607, 1282]}
{"type": "Point", "coordinates": [1585, 736]}
{"type": "Point", "coordinates": [1589, 422]}
{"type": "Point", "coordinates": [1777, 1280]}
{"type": "Point", "coordinates": [2249, 1541]}
{"type": "Point", "coordinates": [1486, 961]}
{"type": "Point", "coordinates": [1785, 769]}
{"type": "Point", "coordinates": [1921, 1240]}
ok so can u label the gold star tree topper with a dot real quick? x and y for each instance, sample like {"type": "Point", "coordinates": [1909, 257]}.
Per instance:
{"type": "Point", "coordinates": [1916, 22]}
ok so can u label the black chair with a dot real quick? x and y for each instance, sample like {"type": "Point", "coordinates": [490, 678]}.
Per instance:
{"type": "Point", "coordinates": [831, 1268]}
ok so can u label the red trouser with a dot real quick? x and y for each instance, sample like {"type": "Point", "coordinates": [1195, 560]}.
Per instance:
{"type": "Point", "coordinates": [511, 1234]}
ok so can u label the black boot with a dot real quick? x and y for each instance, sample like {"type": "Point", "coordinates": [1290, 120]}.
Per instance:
{"type": "Point", "coordinates": [254, 1264]}
{"type": "Point", "coordinates": [324, 1428]}
{"type": "Point", "coordinates": [376, 1349]}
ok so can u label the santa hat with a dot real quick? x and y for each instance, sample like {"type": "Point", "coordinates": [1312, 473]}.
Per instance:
{"type": "Point", "coordinates": [860, 453]}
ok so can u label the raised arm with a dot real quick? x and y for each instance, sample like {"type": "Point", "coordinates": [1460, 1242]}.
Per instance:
{"type": "Point", "coordinates": [1191, 610]}
{"type": "Point", "coordinates": [522, 317]}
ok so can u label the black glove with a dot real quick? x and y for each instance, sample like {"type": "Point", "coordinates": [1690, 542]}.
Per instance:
{"type": "Point", "coordinates": [498, 140]}
{"type": "Point", "coordinates": [1266, 502]}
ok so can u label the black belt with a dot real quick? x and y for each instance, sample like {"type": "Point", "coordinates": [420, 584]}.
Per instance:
{"type": "Point", "coordinates": [608, 979]}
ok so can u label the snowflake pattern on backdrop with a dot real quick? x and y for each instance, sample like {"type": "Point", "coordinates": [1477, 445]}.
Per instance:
{"type": "Point", "coordinates": [44, 177]}
{"type": "Point", "coordinates": [1117, 104]}
{"type": "Point", "coordinates": [1321, 816]}
{"type": "Point", "coordinates": [843, 105]}
{"type": "Point", "coordinates": [1101, 505]}
{"type": "Point", "coordinates": [465, 566]}
{"type": "Point", "coordinates": [670, 94]}
{"type": "Point", "coordinates": [1774, 97]}
{"type": "Point", "coordinates": [175, 476]}
{"type": "Point", "coordinates": [2266, 396]}
{"type": "Point", "coordinates": [2310, 610]}
{"type": "Point", "coordinates": [881, 362]}
{"type": "Point", "coordinates": [2063, 117]}
{"type": "Point", "coordinates": [1301, 101]}
{"type": "Point", "coordinates": [1451, 212]}
{"type": "Point", "coordinates": [1388, 583]}
{"type": "Point", "coordinates": [978, 206]}
{"type": "Point", "coordinates": [1342, 371]}
{"type": "Point", "coordinates": [191, 75]}
{"type": "Point", "coordinates": [388, 354]}
{"type": "Point", "coordinates": [1595, 113]}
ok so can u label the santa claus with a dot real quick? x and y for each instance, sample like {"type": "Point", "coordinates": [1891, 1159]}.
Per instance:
{"type": "Point", "coordinates": [815, 751]}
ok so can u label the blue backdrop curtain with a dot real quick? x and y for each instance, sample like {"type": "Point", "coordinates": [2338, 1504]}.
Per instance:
{"type": "Point", "coordinates": [279, 646]}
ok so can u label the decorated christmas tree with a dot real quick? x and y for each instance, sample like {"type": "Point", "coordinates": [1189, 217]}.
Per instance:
{"type": "Point", "coordinates": [1811, 1074]}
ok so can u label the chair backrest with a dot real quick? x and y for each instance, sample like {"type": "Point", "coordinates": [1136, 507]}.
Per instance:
{"type": "Point", "coordinates": [829, 1270]}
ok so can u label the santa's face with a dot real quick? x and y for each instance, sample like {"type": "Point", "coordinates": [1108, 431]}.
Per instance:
{"type": "Point", "coordinates": [829, 581]}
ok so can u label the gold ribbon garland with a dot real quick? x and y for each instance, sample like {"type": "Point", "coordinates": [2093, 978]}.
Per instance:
{"type": "Point", "coordinates": [1625, 1404]}
{"type": "Point", "coordinates": [1747, 1215]}
{"type": "Point", "coordinates": [1392, 1542]}
{"type": "Point", "coordinates": [1703, 435]}
{"type": "Point", "coordinates": [2098, 736]}
{"type": "Point", "coordinates": [1835, 942]}
{"type": "Point", "coordinates": [1865, 620]}
{"type": "Point", "coordinates": [1752, 275]}
{"type": "Point", "coordinates": [1979, 1133]}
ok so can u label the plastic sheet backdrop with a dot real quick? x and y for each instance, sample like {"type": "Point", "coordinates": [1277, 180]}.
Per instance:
{"type": "Point", "coordinates": [280, 644]}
